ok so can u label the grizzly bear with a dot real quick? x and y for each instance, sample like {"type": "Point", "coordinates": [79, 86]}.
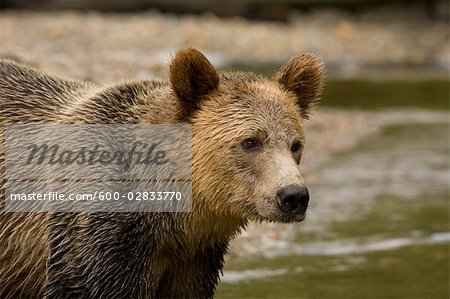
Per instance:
{"type": "Point", "coordinates": [247, 142]}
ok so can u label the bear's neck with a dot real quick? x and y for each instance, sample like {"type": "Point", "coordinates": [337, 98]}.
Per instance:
{"type": "Point", "coordinates": [202, 229]}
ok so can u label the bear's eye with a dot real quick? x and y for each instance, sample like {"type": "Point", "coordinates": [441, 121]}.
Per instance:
{"type": "Point", "coordinates": [296, 146]}
{"type": "Point", "coordinates": [251, 143]}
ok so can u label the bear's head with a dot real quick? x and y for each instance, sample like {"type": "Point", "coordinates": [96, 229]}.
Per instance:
{"type": "Point", "coordinates": [248, 135]}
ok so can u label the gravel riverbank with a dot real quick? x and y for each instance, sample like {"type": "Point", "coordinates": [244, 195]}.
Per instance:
{"type": "Point", "coordinates": [110, 47]}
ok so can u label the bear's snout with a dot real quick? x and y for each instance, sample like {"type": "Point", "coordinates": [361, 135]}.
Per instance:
{"type": "Point", "coordinates": [293, 198]}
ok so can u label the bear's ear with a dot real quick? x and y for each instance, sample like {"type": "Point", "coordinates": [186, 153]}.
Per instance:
{"type": "Point", "coordinates": [303, 75]}
{"type": "Point", "coordinates": [192, 77]}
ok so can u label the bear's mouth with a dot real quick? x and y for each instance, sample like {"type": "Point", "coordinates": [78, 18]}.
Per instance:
{"type": "Point", "coordinates": [293, 217]}
{"type": "Point", "coordinates": [268, 210]}
{"type": "Point", "coordinates": [284, 218]}
{"type": "Point", "coordinates": [297, 215]}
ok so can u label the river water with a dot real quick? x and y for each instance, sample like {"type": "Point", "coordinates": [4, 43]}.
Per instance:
{"type": "Point", "coordinates": [378, 226]}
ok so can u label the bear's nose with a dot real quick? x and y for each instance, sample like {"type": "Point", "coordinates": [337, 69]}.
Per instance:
{"type": "Point", "coordinates": [289, 198]}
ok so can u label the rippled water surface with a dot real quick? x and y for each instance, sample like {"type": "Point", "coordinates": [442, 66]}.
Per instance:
{"type": "Point", "coordinates": [378, 226]}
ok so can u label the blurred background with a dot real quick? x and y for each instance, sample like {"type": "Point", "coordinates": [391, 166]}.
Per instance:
{"type": "Point", "coordinates": [377, 152]}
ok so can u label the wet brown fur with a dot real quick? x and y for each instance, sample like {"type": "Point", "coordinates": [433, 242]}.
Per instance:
{"type": "Point", "coordinates": [123, 255]}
